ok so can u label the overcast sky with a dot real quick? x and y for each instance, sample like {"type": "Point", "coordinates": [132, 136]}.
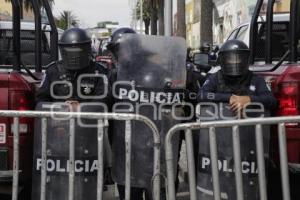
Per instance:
{"type": "Point", "coordinates": [89, 12]}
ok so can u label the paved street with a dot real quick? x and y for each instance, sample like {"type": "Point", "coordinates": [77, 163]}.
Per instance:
{"type": "Point", "coordinates": [183, 193]}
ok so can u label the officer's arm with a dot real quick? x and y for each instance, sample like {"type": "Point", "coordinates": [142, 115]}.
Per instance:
{"type": "Point", "coordinates": [43, 94]}
{"type": "Point", "coordinates": [208, 92]}
{"type": "Point", "coordinates": [263, 94]}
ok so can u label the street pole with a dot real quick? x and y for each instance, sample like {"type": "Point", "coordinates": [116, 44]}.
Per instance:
{"type": "Point", "coordinates": [69, 24]}
{"type": "Point", "coordinates": [141, 16]}
{"type": "Point", "coordinates": [135, 15]}
{"type": "Point", "coordinates": [168, 17]}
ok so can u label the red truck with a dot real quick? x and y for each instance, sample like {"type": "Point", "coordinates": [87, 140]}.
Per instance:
{"type": "Point", "coordinates": [276, 45]}
{"type": "Point", "coordinates": [275, 53]}
{"type": "Point", "coordinates": [24, 49]}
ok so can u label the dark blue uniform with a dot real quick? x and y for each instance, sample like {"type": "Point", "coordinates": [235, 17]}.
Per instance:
{"type": "Point", "coordinates": [68, 86]}
{"type": "Point", "coordinates": [89, 87]}
{"type": "Point", "coordinates": [215, 89]}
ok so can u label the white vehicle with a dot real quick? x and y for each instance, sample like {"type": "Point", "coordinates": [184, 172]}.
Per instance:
{"type": "Point", "coordinates": [280, 35]}
{"type": "Point", "coordinates": [242, 32]}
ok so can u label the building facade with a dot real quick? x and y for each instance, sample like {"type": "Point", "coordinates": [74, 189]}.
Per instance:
{"type": "Point", "coordinates": [282, 6]}
{"type": "Point", "coordinates": [103, 29]}
{"type": "Point", "coordinates": [189, 21]}
{"type": "Point", "coordinates": [6, 12]}
{"type": "Point", "coordinates": [227, 14]}
{"type": "Point", "coordinates": [192, 12]}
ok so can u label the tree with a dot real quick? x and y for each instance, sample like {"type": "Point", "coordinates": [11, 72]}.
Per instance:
{"type": "Point", "coordinates": [66, 19]}
{"type": "Point", "coordinates": [150, 15]}
{"type": "Point", "coordinates": [146, 14]}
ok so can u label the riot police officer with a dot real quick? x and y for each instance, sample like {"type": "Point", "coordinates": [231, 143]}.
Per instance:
{"type": "Point", "coordinates": [205, 48]}
{"type": "Point", "coordinates": [234, 83]}
{"type": "Point", "coordinates": [75, 48]}
{"type": "Point", "coordinates": [112, 46]}
{"type": "Point", "coordinates": [74, 80]}
{"type": "Point", "coordinates": [147, 65]}
{"type": "Point", "coordinates": [232, 89]}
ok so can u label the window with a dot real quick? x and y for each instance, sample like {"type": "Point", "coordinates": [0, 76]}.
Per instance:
{"type": "Point", "coordinates": [280, 40]}
{"type": "Point", "coordinates": [27, 48]}
{"type": "Point", "coordinates": [242, 33]}
{"type": "Point", "coordinates": [3, 46]}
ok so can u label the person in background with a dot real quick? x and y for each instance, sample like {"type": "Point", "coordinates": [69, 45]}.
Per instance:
{"type": "Point", "coordinates": [205, 48]}
{"type": "Point", "coordinates": [95, 45]}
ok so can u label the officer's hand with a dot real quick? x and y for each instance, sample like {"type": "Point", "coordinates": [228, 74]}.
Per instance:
{"type": "Point", "coordinates": [74, 105]}
{"type": "Point", "coordinates": [237, 103]}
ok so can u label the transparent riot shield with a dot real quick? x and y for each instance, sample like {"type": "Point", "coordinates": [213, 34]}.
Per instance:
{"type": "Point", "coordinates": [86, 157]}
{"type": "Point", "coordinates": [226, 168]}
{"type": "Point", "coordinates": [151, 79]}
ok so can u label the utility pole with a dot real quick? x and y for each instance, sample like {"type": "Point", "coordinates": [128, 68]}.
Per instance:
{"type": "Point", "coordinates": [135, 18]}
{"type": "Point", "coordinates": [206, 21]}
{"type": "Point", "coordinates": [181, 27]}
{"type": "Point", "coordinates": [132, 4]}
{"type": "Point", "coordinates": [161, 17]}
{"type": "Point", "coordinates": [141, 16]}
{"type": "Point", "coordinates": [69, 24]}
{"type": "Point", "coordinates": [168, 17]}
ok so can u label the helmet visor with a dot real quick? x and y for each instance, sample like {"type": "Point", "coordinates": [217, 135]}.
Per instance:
{"type": "Point", "coordinates": [76, 57]}
{"type": "Point", "coordinates": [234, 63]}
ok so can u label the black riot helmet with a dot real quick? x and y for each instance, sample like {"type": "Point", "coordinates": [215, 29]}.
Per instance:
{"type": "Point", "coordinates": [205, 48]}
{"type": "Point", "coordinates": [116, 36]}
{"type": "Point", "coordinates": [75, 48]}
{"type": "Point", "coordinates": [234, 58]}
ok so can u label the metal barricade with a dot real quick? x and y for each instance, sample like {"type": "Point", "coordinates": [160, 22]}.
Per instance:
{"type": "Point", "coordinates": [73, 115]}
{"type": "Point", "coordinates": [234, 124]}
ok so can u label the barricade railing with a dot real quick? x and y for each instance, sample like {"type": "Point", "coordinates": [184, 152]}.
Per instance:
{"type": "Point", "coordinates": [234, 124]}
{"type": "Point", "coordinates": [128, 118]}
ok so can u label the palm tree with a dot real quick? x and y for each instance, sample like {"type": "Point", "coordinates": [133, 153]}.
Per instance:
{"type": "Point", "coordinates": [151, 15]}
{"type": "Point", "coordinates": [66, 19]}
{"type": "Point", "coordinates": [146, 14]}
